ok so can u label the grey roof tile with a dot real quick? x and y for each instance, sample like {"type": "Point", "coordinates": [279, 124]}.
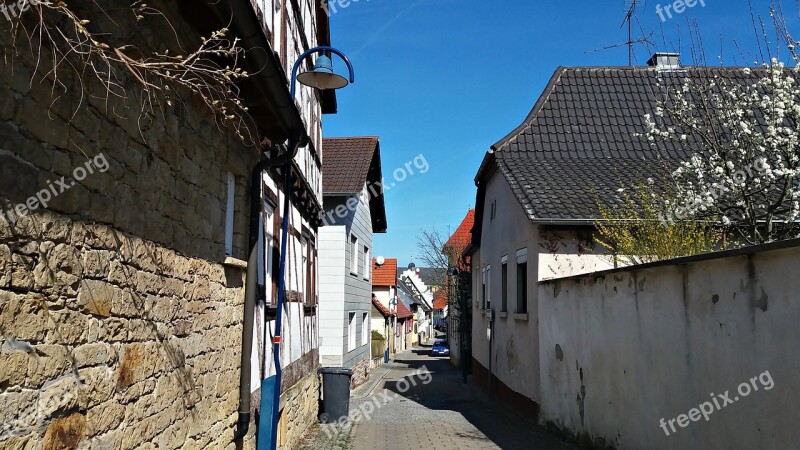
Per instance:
{"type": "Point", "coordinates": [580, 140]}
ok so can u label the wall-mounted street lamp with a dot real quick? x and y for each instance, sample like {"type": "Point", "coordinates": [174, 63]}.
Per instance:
{"type": "Point", "coordinates": [321, 77]}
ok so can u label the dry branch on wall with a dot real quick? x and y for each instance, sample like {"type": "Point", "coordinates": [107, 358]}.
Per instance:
{"type": "Point", "coordinates": [64, 47]}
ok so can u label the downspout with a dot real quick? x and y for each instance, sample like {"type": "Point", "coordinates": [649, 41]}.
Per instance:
{"type": "Point", "coordinates": [251, 283]}
{"type": "Point", "coordinates": [276, 344]}
{"type": "Point", "coordinates": [271, 81]}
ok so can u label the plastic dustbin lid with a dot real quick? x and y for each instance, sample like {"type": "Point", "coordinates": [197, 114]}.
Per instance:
{"type": "Point", "coordinates": [336, 371]}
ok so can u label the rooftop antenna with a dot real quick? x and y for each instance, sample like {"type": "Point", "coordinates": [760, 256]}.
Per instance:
{"type": "Point", "coordinates": [632, 8]}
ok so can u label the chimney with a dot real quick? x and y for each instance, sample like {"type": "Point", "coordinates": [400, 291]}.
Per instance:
{"type": "Point", "coordinates": [665, 61]}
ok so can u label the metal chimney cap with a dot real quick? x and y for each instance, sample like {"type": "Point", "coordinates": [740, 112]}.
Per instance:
{"type": "Point", "coordinates": [665, 60]}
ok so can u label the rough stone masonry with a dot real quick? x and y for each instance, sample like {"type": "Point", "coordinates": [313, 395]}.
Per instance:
{"type": "Point", "coordinates": [120, 324]}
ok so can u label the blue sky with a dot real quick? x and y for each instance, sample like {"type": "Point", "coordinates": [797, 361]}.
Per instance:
{"type": "Point", "coordinates": [448, 78]}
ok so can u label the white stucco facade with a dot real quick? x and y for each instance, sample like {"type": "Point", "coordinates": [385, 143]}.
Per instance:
{"type": "Point", "coordinates": [640, 345]}
{"type": "Point", "coordinates": [510, 238]}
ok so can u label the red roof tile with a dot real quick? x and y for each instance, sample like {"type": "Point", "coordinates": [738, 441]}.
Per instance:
{"type": "Point", "coordinates": [402, 310]}
{"type": "Point", "coordinates": [385, 275]}
{"type": "Point", "coordinates": [463, 234]}
{"type": "Point", "coordinates": [440, 301]}
{"type": "Point", "coordinates": [381, 309]}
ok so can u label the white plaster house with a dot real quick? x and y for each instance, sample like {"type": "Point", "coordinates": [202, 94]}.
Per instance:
{"type": "Point", "coordinates": [354, 210]}
{"type": "Point", "coordinates": [536, 205]}
{"type": "Point", "coordinates": [395, 299]}
{"type": "Point", "coordinates": [422, 305]}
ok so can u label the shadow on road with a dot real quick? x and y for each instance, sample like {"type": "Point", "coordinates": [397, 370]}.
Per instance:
{"type": "Point", "coordinates": [445, 390]}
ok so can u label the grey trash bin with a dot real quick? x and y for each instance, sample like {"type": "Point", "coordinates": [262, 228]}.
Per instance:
{"type": "Point", "coordinates": [335, 393]}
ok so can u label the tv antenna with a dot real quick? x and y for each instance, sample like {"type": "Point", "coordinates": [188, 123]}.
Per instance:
{"type": "Point", "coordinates": [632, 7]}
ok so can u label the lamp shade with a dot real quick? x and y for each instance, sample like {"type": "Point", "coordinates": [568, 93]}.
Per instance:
{"type": "Point", "coordinates": [322, 77]}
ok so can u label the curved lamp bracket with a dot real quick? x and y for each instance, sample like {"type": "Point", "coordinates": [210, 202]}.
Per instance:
{"type": "Point", "coordinates": [319, 49]}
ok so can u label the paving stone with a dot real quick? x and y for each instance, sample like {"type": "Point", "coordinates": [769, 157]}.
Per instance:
{"type": "Point", "coordinates": [419, 401]}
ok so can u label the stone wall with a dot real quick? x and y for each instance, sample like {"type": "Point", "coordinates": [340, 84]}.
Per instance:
{"type": "Point", "coordinates": [112, 340]}
{"type": "Point", "coordinates": [360, 373]}
{"type": "Point", "coordinates": [300, 412]}
{"type": "Point", "coordinates": [120, 325]}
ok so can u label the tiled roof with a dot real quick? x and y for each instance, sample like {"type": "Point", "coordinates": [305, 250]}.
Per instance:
{"type": "Point", "coordinates": [402, 310]}
{"type": "Point", "coordinates": [345, 163]}
{"type": "Point", "coordinates": [379, 306]}
{"type": "Point", "coordinates": [384, 275]}
{"type": "Point", "coordinates": [429, 275]}
{"type": "Point", "coordinates": [350, 163]}
{"type": "Point", "coordinates": [440, 302]}
{"type": "Point", "coordinates": [581, 140]}
{"type": "Point", "coordinates": [463, 234]}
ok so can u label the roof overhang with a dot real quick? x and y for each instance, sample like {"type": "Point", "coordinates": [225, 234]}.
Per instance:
{"type": "Point", "coordinates": [265, 93]}
{"type": "Point", "coordinates": [377, 203]}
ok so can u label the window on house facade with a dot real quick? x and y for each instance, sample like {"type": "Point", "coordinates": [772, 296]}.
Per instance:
{"type": "Point", "coordinates": [303, 268]}
{"type": "Point", "coordinates": [353, 254]}
{"type": "Point", "coordinates": [483, 288]}
{"type": "Point", "coordinates": [486, 290]}
{"type": "Point", "coordinates": [265, 253]}
{"type": "Point", "coordinates": [230, 208]}
{"type": "Point", "coordinates": [364, 328]}
{"type": "Point", "coordinates": [504, 285]}
{"type": "Point", "coordinates": [311, 281]}
{"type": "Point", "coordinates": [367, 263]}
{"type": "Point", "coordinates": [351, 332]}
{"type": "Point", "coordinates": [522, 281]}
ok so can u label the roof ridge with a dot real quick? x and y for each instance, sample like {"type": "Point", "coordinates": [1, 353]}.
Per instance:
{"type": "Point", "coordinates": [540, 102]}
{"type": "Point", "coordinates": [351, 137]}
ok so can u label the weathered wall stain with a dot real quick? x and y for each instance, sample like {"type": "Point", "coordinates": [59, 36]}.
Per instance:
{"type": "Point", "coordinates": [581, 400]}
{"type": "Point", "coordinates": [131, 359]}
{"type": "Point", "coordinates": [65, 433]}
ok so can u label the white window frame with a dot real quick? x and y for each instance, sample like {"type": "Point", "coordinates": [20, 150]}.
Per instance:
{"type": "Point", "coordinates": [230, 207]}
{"type": "Point", "coordinates": [522, 255]}
{"type": "Point", "coordinates": [367, 263]}
{"type": "Point", "coordinates": [303, 265]}
{"type": "Point", "coordinates": [351, 331]}
{"type": "Point", "coordinates": [488, 299]}
{"type": "Point", "coordinates": [354, 253]}
{"type": "Point", "coordinates": [504, 284]}
{"type": "Point", "coordinates": [522, 297]}
{"type": "Point", "coordinates": [365, 328]}
{"type": "Point", "coordinates": [265, 250]}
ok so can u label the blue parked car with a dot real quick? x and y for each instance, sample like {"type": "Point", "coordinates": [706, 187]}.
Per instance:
{"type": "Point", "coordinates": [440, 348]}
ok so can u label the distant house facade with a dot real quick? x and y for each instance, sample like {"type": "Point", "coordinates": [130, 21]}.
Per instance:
{"type": "Point", "coordinates": [353, 212]}
{"type": "Point", "coordinates": [383, 323]}
{"type": "Point", "coordinates": [459, 292]}
{"type": "Point", "coordinates": [396, 300]}
{"type": "Point", "coordinates": [422, 295]}
{"type": "Point", "coordinates": [536, 206]}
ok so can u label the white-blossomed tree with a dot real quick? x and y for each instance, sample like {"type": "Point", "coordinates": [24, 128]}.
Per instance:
{"type": "Point", "coordinates": [744, 170]}
{"type": "Point", "coordinates": [743, 127]}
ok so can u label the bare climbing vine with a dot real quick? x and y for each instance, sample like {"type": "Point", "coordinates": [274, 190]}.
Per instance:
{"type": "Point", "coordinates": [60, 41]}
